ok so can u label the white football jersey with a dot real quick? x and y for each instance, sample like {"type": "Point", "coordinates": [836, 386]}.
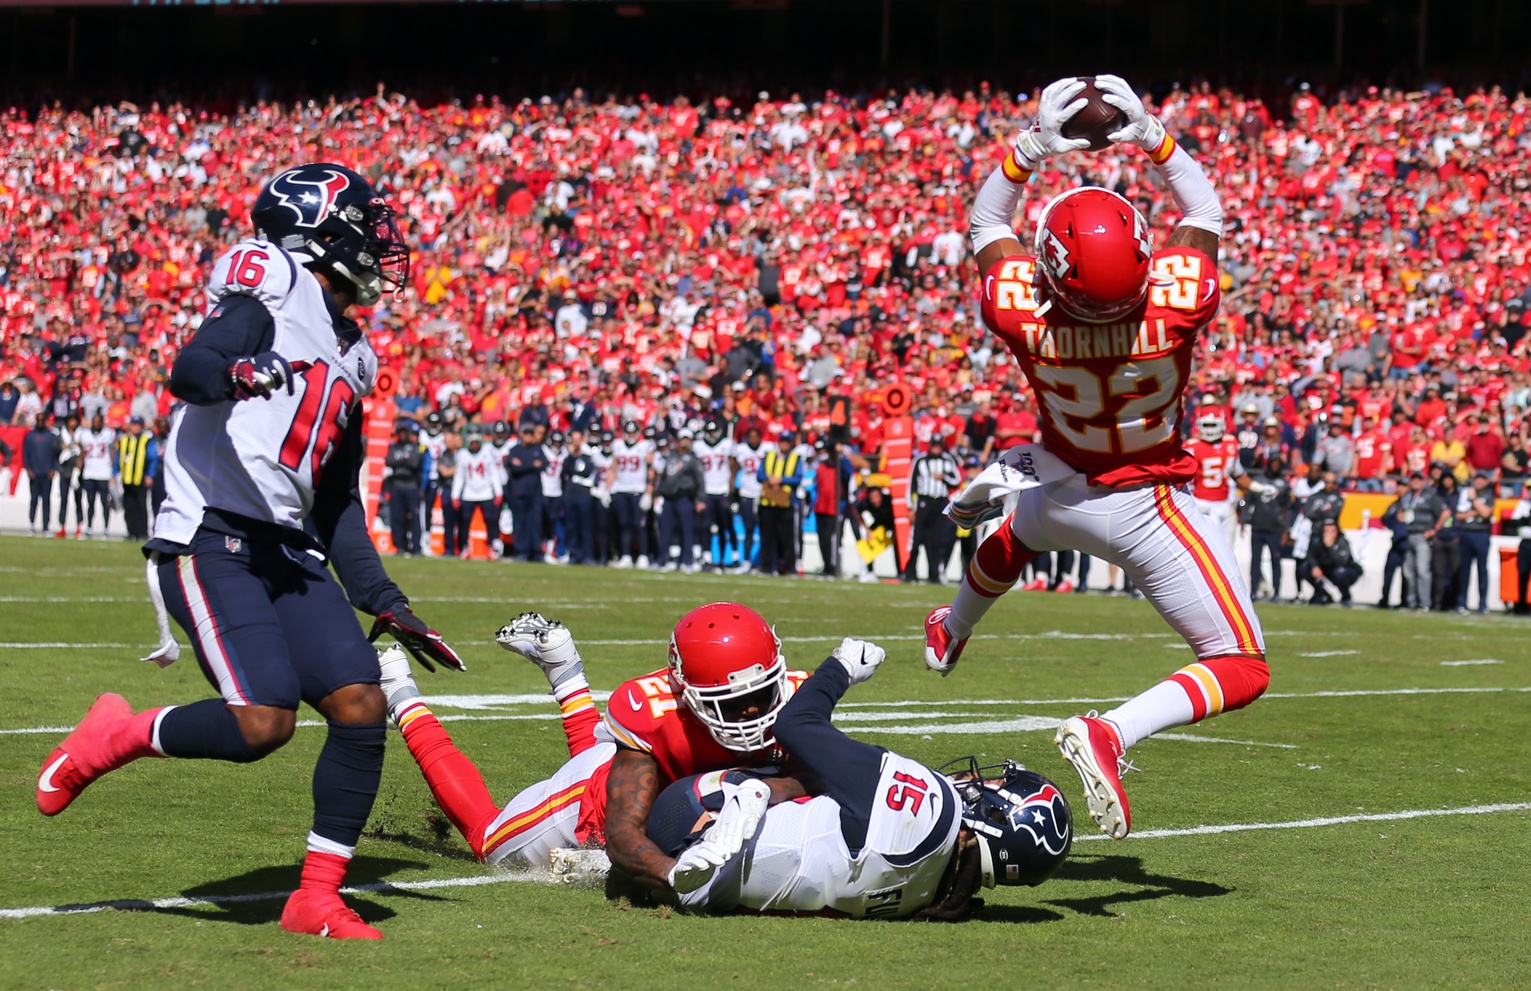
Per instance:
{"type": "Point", "coordinates": [552, 475]}
{"type": "Point", "coordinates": [798, 860]}
{"type": "Point", "coordinates": [435, 446]}
{"type": "Point", "coordinates": [480, 475]}
{"type": "Point", "coordinates": [749, 459]}
{"type": "Point", "coordinates": [96, 453]}
{"type": "Point", "coordinates": [716, 476]}
{"type": "Point", "coordinates": [262, 458]}
{"type": "Point", "coordinates": [630, 462]}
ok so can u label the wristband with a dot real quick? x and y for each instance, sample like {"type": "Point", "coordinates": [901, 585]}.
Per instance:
{"type": "Point", "coordinates": [1162, 154]}
{"type": "Point", "coordinates": [1014, 170]}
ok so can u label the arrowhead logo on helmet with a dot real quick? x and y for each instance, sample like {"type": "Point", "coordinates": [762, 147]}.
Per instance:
{"type": "Point", "coordinates": [1094, 249]}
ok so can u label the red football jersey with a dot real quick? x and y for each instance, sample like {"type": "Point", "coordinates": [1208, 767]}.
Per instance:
{"type": "Point", "coordinates": [1110, 392]}
{"type": "Point", "coordinates": [1373, 448]}
{"type": "Point", "coordinates": [644, 714]}
{"type": "Point", "coordinates": [1215, 465]}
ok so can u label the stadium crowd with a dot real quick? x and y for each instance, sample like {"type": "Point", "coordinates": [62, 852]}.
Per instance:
{"type": "Point", "coordinates": [585, 264]}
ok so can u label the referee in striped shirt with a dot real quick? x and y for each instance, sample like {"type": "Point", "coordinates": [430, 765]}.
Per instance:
{"type": "Point", "coordinates": [932, 478]}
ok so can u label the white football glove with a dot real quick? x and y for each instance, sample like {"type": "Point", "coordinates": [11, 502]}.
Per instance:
{"type": "Point", "coordinates": [1143, 128]}
{"type": "Point", "coordinates": [859, 658]}
{"type": "Point", "coordinates": [1045, 138]}
{"type": "Point", "coordinates": [734, 826]}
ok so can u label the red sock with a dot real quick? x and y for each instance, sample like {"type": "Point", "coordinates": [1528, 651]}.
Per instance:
{"type": "Point", "coordinates": [1222, 684]}
{"type": "Point", "coordinates": [580, 716]}
{"type": "Point", "coordinates": [998, 562]}
{"type": "Point", "coordinates": [454, 780]}
{"type": "Point", "coordinates": [323, 872]}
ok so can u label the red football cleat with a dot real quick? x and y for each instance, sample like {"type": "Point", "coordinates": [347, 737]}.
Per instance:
{"type": "Point", "coordinates": [322, 913]}
{"type": "Point", "coordinates": [1064, 586]}
{"type": "Point", "coordinates": [942, 651]}
{"type": "Point", "coordinates": [1091, 745]}
{"type": "Point", "coordinates": [1035, 585]}
{"type": "Point", "coordinates": [108, 737]}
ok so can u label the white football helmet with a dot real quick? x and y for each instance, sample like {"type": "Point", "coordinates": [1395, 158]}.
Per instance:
{"type": "Point", "coordinates": [1209, 427]}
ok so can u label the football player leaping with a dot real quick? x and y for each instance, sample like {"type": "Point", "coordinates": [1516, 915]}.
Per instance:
{"type": "Point", "coordinates": [712, 708]}
{"type": "Point", "coordinates": [889, 838]}
{"type": "Point", "coordinates": [1104, 328]}
{"type": "Point", "coordinates": [270, 441]}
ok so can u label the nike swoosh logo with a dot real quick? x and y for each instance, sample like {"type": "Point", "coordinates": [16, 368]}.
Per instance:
{"type": "Point", "coordinates": [632, 700]}
{"type": "Point", "coordinates": [45, 780]}
{"type": "Point", "coordinates": [988, 282]}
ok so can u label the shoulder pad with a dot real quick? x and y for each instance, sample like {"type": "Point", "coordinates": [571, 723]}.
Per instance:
{"type": "Point", "coordinates": [254, 267]}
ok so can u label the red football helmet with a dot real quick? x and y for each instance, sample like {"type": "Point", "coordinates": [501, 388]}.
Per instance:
{"type": "Point", "coordinates": [1092, 248]}
{"type": "Point", "coordinates": [726, 663]}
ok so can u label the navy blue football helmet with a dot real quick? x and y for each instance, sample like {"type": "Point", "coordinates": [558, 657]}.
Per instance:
{"type": "Point", "coordinates": [1023, 824]}
{"type": "Point", "coordinates": [330, 217]}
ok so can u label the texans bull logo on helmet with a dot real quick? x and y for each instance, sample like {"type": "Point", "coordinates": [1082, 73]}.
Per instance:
{"type": "Point", "coordinates": [309, 196]}
{"type": "Point", "coordinates": [1044, 814]}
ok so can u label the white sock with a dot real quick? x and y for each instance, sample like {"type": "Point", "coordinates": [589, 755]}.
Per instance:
{"type": "Point", "coordinates": [319, 844]}
{"type": "Point", "coordinates": [1162, 706]}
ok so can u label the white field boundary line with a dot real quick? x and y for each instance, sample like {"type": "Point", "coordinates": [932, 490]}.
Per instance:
{"type": "Point", "coordinates": [507, 877]}
{"type": "Point", "coordinates": [488, 701]}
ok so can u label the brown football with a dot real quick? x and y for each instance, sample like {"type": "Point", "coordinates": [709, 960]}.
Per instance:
{"type": "Point", "coordinates": [1096, 119]}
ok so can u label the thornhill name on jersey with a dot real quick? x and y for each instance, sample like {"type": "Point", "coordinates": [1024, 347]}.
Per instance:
{"type": "Point", "coordinates": [1125, 339]}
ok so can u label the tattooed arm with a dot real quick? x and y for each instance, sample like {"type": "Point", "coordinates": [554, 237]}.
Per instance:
{"type": "Point", "coordinates": [630, 792]}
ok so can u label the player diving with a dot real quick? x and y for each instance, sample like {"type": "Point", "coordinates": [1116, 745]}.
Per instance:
{"type": "Point", "coordinates": [1104, 327]}
{"type": "Point", "coordinates": [851, 829]}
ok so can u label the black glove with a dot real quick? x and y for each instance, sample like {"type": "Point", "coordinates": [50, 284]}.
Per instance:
{"type": "Point", "coordinates": [420, 640]}
{"type": "Point", "coordinates": [263, 374]}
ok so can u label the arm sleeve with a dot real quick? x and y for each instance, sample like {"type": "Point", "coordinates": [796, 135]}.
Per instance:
{"type": "Point", "coordinates": [849, 769]}
{"type": "Point", "coordinates": [240, 326]}
{"type": "Point", "coordinates": [1193, 192]}
{"type": "Point", "coordinates": [993, 208]}
{"type": "Point", "coordinates": [340, 523]}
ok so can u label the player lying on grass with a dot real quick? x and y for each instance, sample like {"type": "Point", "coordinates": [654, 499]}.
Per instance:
{"type": "Point", "coordinates": [712, 708]}
{"type": "Point", "coordinates": [569, 809]}
{"type": "Point", "coordinates": [1103, 327]}
{"type": "Point", "coordinates": [888, 837]}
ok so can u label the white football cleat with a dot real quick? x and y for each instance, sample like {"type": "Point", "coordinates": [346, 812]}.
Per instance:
{"type": "Point", "coordinates": [1091, 746]}
{"type": "Point", "coordinates": [643, 562]}
{"type": "Point", "coordinates": [569, 865]}
{"type": "Point", "coordinates": [624, 562]}
{"type": "Point", "coordinates": [546, 643]}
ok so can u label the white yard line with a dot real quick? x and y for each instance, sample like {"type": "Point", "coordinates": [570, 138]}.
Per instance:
{"type": "Point", "coordinates": [1245, 827]}
{"type": "Point", "coordinates": [1461, 664]}
{"type": "Point", "coordinates": [507, 877]}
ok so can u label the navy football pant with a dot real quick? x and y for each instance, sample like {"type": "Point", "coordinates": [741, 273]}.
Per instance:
{"type": "Point", "coordinates": [579, 525]}
{"type": "Point", "coordinates": [627, 521]}
{"type": "Point", "coordinates": [268, 623]}
{"type": "Point", "coordinates": [270, 627]}
{"type": "Point", "coordinates": [526, 524]}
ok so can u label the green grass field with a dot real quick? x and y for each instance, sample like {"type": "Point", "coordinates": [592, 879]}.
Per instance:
{"type": "Point", "coordinates": [1437, 901]}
